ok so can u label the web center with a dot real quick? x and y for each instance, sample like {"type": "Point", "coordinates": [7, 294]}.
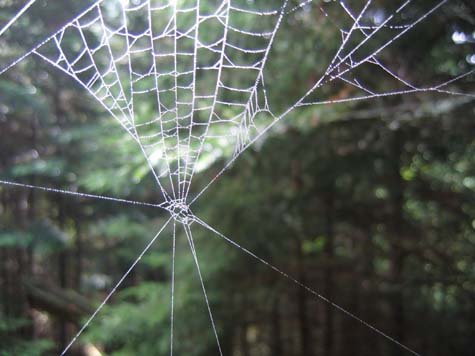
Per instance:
{"type": "Point", "coordinates": [181, 212]}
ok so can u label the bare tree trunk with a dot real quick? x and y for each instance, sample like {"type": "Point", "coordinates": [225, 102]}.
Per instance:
{"type": "Point", "coordinates": [5, 280]}
{"type": "Point", "coordinates": [328, 338]}
{"type": "Point", "coordinates": [79, 252]}
{"type": "Point", "coordinates": [397, 253]}
{"type": "Point", "coordinates": [31, 199]}
{"type": "Point", "coordinates": [21, 270]}
{"type": "Point", "coordinates": [351, 334]}
{"type": "Point", "coordinates": [276, 338]}
{"type": "Point", "coordinates": [62, 270]}
{"type": "Point", "coordinates": [243, 340]}
{"type": "Point", "coordinates": [302, 304]}
{"type": "Point", "coordinates": [368, 292]}
{"type": "Point", "coordinates": [305, 345]}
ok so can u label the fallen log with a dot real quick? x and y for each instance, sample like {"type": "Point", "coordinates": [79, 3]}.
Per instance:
{"type": "Point", "coordinates": [61, 303]}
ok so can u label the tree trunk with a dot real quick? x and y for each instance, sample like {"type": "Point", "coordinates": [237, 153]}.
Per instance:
{"type": "Point", "coordinates": [328, 338]}
{"type": "Point", "coordinates": [302, 304]}
{"type": "Point", "coordinates": [31, 199]}
{"type": "Point", "coordinates": [397, 254]}
{"type": "Point", "coordinates": [276, 338]}
{"type": "Point", "coordinates": [61, 303]}
{"type": "Point", "coordinates": [301, 292]}
{"type": "Point", "coordinates": [62, 270]}
{"type": "Point", "coordinates": [5, 281]}
{"type": "Point", "coordinates": [368, 309]}
{"type": "Point", "coordinates": [243, 340]}
{"type": "Point", "coordinates": [79, 252]}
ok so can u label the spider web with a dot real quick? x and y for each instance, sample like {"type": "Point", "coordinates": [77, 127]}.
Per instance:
{"type": "Point", "coordinates": [201, 65]}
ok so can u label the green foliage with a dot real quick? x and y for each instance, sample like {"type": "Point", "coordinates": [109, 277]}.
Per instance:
{"type": "Point", "coordinates": [18, 346]}
{"type": "Point", "coordinates": [135, 304]}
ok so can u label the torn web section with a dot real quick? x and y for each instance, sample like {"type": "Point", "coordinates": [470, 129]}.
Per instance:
{"type": "Point", "coordinates": [330, 60]}
{"type": "Point", "coordinates": [253, 27]}
{"type": "Point", "coordinates": [233, 43]}
{"type": "Point", "coordinates": [364, 65]}
{"type": "Point", "coordinates": [373, 29]}
{"type": "Point", "coordinates": [353, 52]}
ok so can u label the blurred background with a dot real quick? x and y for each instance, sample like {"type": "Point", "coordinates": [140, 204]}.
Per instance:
{"type": "Point", "coordinates": [370, 203]}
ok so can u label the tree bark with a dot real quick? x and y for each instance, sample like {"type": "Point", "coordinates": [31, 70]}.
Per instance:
{"type": "Point", "coordinates": [302, 277]}
{"type": "Point", "coordinates": [397, 254]}
{"type": "Point", "coordinates": [329, 253]}
{"type": "Point", "coordinates": [302, 303]}
{"type": "Point", "coordinates": [61, 303]}
{"type": "Point", "coordinates": [62, 270]}
{"type": "Point", "coordinates": [276, 339]}
{"type": "Point", "coordinates": [79, 252]}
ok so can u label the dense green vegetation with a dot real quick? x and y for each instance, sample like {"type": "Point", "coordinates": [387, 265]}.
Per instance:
{"type": "Point", "coordinates": [370, 203]}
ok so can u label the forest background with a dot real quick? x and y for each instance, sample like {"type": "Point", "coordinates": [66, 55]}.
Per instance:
{"type": "Point", "coordinates": [371, 203]}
